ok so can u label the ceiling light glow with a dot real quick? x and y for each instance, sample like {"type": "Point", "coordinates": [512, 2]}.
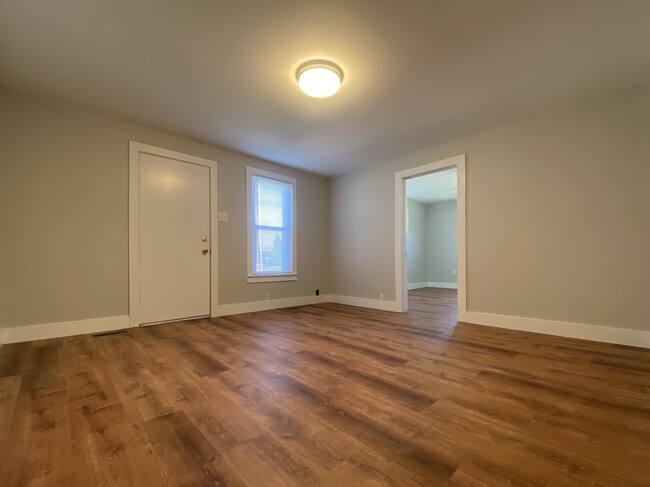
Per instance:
{"type": "Point", "coordinates": [319, 79]}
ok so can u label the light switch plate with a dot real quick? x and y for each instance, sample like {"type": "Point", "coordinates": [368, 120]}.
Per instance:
{"type": "Point", "coordinates": [222, 216]}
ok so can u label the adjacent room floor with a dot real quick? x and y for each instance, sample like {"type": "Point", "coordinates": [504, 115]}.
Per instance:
{"type": "Point", "coordinates": [325, 395]}
{"type": "Point", "coordinates": [441, 304]}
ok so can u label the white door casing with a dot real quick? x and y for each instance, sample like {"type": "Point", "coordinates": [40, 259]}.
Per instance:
{"type": "Point", "coordinates": [401, 292]}
{"type": "Point", "coordinates": [172, 210]}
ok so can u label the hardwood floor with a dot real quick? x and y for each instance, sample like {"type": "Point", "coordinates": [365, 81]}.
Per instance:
{"type": "Point", "coordinates": [325, 395]}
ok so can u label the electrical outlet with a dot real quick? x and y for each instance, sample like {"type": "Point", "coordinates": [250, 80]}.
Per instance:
{"type": "Point", "coordinates": [317, 292]}
{"type": "Point", "coordinates": [381, 296]}
{"type": "Point", "coordinates": [222, 216]}
{"type": "Point", "coordinates": [267, 296]}
{"type": "Point", "coordinates": [453, 271]}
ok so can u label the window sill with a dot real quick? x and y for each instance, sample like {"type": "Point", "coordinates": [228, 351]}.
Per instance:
{"type": "Point", "coordinates": [272, 278]}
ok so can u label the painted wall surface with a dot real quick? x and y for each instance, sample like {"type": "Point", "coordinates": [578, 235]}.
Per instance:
{"type": "Point", "coordinates": [431, 242]}
{"type": "Point", "coordinates": [64, 219]}
{"type": "Point", "coordinates": [558, 212]}
{"type": "Point", "coordinates": [416, 242]}
{"type": "Point", "coordinates": [441, 242]}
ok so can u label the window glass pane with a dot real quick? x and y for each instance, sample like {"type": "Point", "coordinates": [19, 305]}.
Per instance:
{"type": "Point", "coordinates": [272, 225]}
{"type": "Point", "coordinates": [270, 199]}
{"type": "Point", "coordinates": [272, 251]}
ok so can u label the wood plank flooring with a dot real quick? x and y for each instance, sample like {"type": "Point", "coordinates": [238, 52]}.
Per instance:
{"type": "Point", "coordinates": [325, 395]}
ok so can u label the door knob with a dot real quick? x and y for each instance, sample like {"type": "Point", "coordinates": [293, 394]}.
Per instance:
{"type": "Point", "coordinates": [205, 251]}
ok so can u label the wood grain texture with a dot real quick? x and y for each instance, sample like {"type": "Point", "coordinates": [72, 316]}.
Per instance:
{"type": "Point", "coordinates": [327, 395]}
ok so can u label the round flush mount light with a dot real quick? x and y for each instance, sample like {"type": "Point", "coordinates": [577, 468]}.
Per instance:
{"type": "Point", "coordinates": [319, 79]}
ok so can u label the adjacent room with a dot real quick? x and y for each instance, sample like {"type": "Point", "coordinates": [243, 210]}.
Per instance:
{"type": "Point", "coordinates": [432, 243]}
{"type": "Point", "coordinates": [325, 243]}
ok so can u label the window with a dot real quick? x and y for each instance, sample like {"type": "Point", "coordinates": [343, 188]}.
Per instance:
{"type": "Point", "coordinates": [271, 227]}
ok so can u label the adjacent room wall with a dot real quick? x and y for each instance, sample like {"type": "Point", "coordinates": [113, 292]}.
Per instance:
{"type": "Point", "coordinates": [416, 243]}
{"type": "Point", "coordinates": [441, 242]}
{"type": "Point", "coordinates": [64, 220]}
{"type": "Point", "coordinates": [557, 216]}
{"type": "Point", "coordinates": [431, 244]}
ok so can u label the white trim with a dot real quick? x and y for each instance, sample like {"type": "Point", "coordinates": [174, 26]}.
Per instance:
{"type": "Point", "coordinates": [135, 148]}
{"type": "Point", "coordinates": [64, 329]}
{"type": "Point", "coordinates": [251, 276]}
{"type": "Point", "coordinates": [252, 306]}
{"type": "Point", "coordinates": [400, 234]}
{"type": "Point", "coordinates": [416, 285]}
{"type": "Point", "coordinates": [272, 278]}
{"type": "Point", "coordinates": [622, 336]}
{"type": "Point", "coordinates": [365, 302]}
{"type": "Point", "coordinates": [443, 285]}
{"type": "Point", "coordinates": [439, 285]}
{"type": "Point", "coordinates": [598, 333]}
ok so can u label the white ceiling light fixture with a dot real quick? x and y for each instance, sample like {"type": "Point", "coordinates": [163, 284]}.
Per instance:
{"type": "Point", "coordinates": [319, 79]}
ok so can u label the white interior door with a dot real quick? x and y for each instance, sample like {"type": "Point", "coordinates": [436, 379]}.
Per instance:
{"type": "Point", "coordinates": [174, 239]}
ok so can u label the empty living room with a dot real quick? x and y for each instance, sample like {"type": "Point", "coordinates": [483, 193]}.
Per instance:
{"type": "Point", "coordinates": [325, 243]}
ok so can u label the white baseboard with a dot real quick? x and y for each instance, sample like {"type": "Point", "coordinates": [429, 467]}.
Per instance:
{"type": "Point", "coordinates": [622, 336]}
{"type": "Point", "coordinates": [597, 333]}
{"type": "Point", "coordinates": [63, 329]}
{"type": "Point", "coordinates": [416, 285]}
{"type": "Point", "coordinates": [252, 306]}
{"type": "Point", "coordinates": [443, 285]}
{"type": "Point", "coordinates": [364, 302]}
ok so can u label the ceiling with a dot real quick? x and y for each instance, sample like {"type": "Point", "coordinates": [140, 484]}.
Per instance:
{"type": "Point", "coordinates": [433, 187]}
{"type": "Point", "coordinates": [417, 73]}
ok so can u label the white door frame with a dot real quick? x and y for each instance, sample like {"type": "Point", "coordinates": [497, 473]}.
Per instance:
{"type": "Point", "coordinates": [135, 149]}
{"type": "Point", "coordinates": [401, 293]}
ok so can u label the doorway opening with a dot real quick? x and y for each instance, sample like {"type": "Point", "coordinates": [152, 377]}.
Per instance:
{"type": "Point", "coordinates": [431, 243]}
{"type": "Point", "coordinates": [430, 256]}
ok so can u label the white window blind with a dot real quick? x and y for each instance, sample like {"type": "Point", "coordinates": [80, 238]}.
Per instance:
{"type": "Point", "coordinates": [272, 226]}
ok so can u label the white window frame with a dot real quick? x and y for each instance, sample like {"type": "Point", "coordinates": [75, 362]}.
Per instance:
{"type": "Point", "coordinates": [284, 276]}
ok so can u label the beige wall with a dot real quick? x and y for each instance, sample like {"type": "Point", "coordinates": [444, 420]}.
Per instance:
{"type": "Point", "coordinates": [64, 221]}
{"type": "Point", "coordinates": [441, 242]}
{"type": "Point", "coordinates": [558, 216]}
{"type": "Point", "coordinates": [416, 242]}
{"type": "Point", "coordinates": [431, 242]}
